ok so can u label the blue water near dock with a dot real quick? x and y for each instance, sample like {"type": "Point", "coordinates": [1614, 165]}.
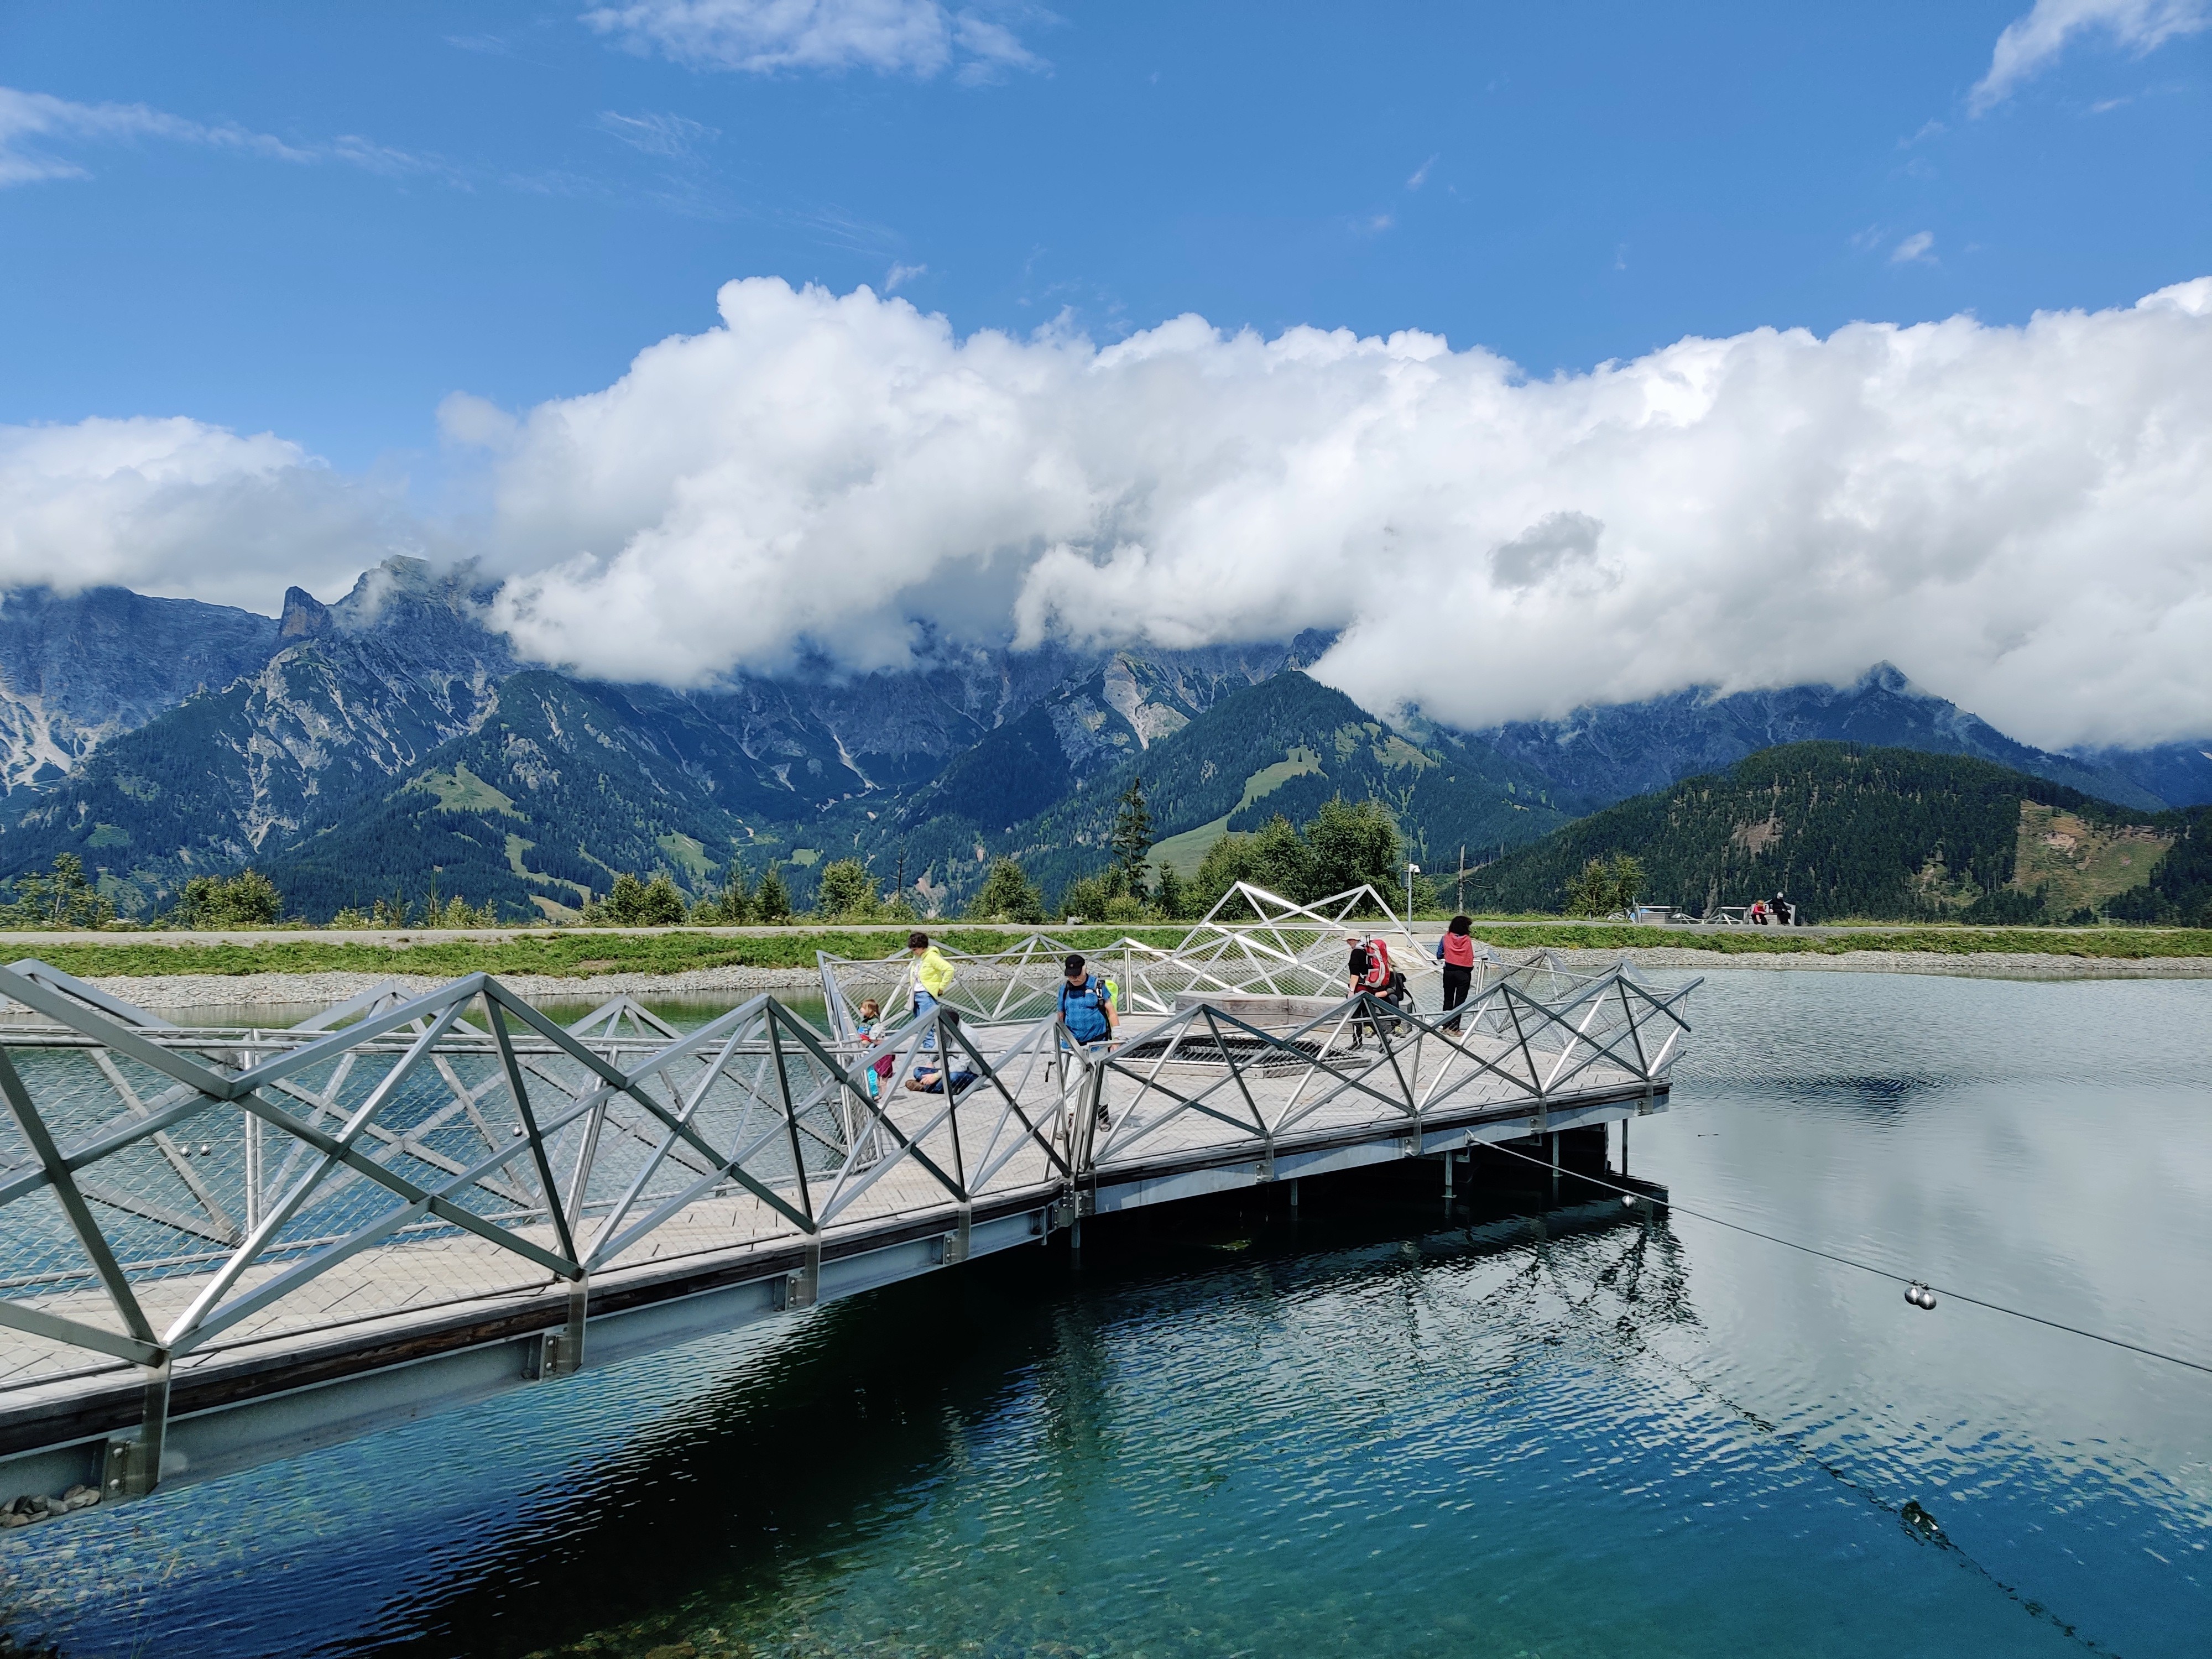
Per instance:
{"type": "Point", "coordinates": [1383, 1430]}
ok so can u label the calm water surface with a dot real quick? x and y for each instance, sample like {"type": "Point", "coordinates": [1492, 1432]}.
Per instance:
{"type": "Point", "coordinates": [1382, 1430]}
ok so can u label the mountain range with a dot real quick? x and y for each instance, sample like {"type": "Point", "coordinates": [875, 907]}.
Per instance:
{"type": "Point", "coordinates": [391, 742]}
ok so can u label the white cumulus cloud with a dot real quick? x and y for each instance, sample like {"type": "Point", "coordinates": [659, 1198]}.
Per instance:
{"type": "Point", "coordinates": [178, 508]}
{"type": "Point", "coordinates": [2021, 517]}
{"type": "Point", "coordinates": [922, 37]}
{"type": "Point", "coordinates": [2029, 43]}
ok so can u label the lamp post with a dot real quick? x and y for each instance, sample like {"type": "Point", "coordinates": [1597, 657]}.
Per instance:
{"type": "Point", "coordinates": [1412, 869]}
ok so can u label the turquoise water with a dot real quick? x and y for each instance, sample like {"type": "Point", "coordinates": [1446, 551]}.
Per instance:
{"type": "Point", "coordinates": [1383, 1430]}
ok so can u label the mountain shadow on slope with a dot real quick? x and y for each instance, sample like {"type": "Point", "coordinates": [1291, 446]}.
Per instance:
{"type": "Point", "coordinates": [1849, 830]}
{"type": "Point", "coordinates": [1287, 744]}
{"type": "Point", "coordinates": [2178, 774]}
{"type": "Point", "coordinates": [1607, 753]}
{"type": "Point", "coordinates": [1090, 725]}
{"type": "Point", "coordinates": [564, 786]}
{"type": "Point", "coordinates": [79, 669]}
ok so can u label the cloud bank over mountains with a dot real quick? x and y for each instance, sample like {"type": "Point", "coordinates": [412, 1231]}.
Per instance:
{"type": "Point", "coordinates": [2021, 517]}
{"type": "Point", "coordinates": [180, 507]}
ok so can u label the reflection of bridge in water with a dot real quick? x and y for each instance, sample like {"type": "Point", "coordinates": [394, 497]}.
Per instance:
{"type": "Point", "coordinates": [218, 1246]}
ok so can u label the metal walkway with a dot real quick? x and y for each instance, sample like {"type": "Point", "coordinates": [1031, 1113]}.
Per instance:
{"type": "Point", "coordinates": [219, 1247]}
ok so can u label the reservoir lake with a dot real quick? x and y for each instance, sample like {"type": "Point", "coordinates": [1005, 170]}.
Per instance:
{"type": "Point", "coordinates": [1383, 1426]}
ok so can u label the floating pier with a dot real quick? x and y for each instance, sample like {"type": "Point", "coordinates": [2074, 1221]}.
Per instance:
{"type": "Point", "coordinates": [219, 1247]}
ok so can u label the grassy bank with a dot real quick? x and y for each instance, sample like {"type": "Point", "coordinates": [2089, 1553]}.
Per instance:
{"type": "Point", "coordinates": [566, 955]}
{"type": "Point", "coordinates": [586, 954]}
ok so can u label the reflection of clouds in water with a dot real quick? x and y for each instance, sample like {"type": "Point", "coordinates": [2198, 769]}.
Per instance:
{"type": "Point", "coordinates": [2049, 1152]}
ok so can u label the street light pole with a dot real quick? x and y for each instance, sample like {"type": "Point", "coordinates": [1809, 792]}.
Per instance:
{"type": "Point", "coordinates": [1412, 869]}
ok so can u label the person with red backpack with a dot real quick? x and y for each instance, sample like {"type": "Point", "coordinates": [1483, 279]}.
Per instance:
{"type": "Point", "coordinates": [1379, 976]}
{"type": "Point", "coordinates": [1369, 971]}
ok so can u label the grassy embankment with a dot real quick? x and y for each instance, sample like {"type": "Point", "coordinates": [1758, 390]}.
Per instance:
{"type": "Point", "coordinates": [588, 954]}
{"type": "Point", "coordinates": [582, 955]}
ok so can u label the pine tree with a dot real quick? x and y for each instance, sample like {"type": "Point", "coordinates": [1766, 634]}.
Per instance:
{"type": "Point", "coordinates": [772, 903]}
{"type": "Point", "coordinates": [1132, 838]}
{"type": "Point", "coordinates": [733, 906]}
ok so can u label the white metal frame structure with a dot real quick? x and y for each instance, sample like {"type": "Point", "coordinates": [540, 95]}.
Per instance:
{"type": "Point", "coordinates": [218, 1246]}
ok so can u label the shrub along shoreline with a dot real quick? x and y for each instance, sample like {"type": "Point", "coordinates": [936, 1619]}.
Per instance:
{"type": "Point", "coordinates": [590, 954]}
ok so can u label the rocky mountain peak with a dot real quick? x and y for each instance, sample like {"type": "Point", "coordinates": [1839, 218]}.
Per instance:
{"type": "Point", "coordinates": [304, 616]}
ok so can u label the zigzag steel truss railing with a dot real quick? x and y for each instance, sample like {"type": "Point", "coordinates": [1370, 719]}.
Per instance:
{"type": "Point", "coordinates": [167, 1192]}
{"type": "Point", "coordinates": [1365, 1063]}
{"type": "Point", "coordinates": [168, 1196]}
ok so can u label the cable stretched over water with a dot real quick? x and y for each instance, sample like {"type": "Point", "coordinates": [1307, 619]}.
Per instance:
{"type": "Point", "coordinates": [1911, 1515]}
{"type": "Point", "coordinates": [1867, 1266]}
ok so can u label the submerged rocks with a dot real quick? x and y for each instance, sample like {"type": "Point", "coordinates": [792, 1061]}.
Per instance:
{"type": "Point", "coordinates": [29, 1509]}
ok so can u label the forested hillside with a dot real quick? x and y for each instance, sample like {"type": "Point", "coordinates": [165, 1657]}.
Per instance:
{"type": "Point", "coordinates": [2179, 890]}
{"type": "Point", "coordinates": [1851, 831]}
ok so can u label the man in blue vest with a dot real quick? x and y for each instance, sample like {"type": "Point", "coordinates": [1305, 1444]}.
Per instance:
{"type": "Point", "coordinates": [1087, 1013]}
{"type": "Point", "coordinates": [1086, 1005]}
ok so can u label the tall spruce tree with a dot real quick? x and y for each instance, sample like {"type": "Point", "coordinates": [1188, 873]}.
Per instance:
{"type": "Point", "coordinates": [772, 901]}
{"type": "Point", "coordinates": [1133, 837]}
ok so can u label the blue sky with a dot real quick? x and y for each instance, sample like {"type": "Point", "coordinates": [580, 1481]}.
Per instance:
{"type": "Point", "coordinates": [1842, 333]}
{"type": "Point", "coordinates": [414, 199]}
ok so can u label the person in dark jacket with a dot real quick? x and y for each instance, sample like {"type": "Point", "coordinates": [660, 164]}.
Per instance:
{"type": "Point", "coordinates": [1456, 949]}
{"type": "Point", "coordinates": [1355, 974]}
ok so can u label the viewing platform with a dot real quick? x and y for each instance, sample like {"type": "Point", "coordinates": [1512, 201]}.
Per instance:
{"type": "Point", "coordinates": [219, 1247]}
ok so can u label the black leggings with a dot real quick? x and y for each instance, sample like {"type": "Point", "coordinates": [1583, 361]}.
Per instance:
{"type": "Point", "coordinates": [1456, 981]}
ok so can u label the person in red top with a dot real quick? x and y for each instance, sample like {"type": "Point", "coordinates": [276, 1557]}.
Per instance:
{"type": "Point", "coordinates": [1456, 949]}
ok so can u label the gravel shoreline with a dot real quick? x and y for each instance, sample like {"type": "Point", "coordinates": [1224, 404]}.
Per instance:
{"type": "Point", "coordinates": [169, 993]}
